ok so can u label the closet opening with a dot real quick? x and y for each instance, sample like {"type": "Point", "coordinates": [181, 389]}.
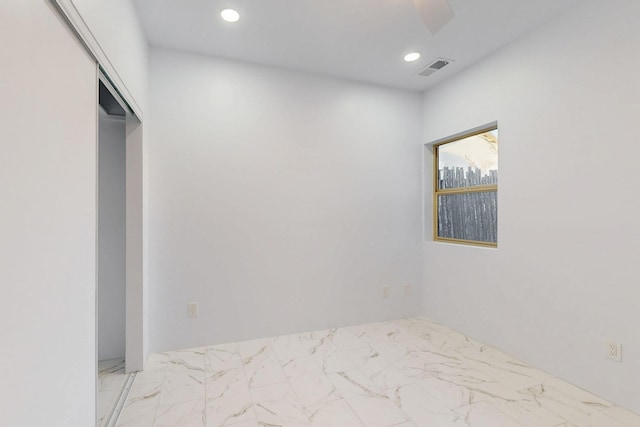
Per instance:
{"type": "Point", "coordinates": [114, 210]}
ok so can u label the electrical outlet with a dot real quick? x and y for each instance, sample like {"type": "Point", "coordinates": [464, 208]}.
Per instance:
{"type": "Point", "coordinates": [614, 351]}
{"type": "Point", "coordinates": [407, 290]}
{"type": "Point", "coordinates": [192, 309]}
{"type": "Point", "coordinates": [385, 291]}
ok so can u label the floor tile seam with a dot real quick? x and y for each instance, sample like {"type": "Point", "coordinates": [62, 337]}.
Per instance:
{"type": "Point", "coordinates": [408, 418]}
{"type": "Point", "coordinates": [423, 374]}
{"type": "Point", "coordinates": [175, 387]}
{"type": "Point", "coordinates": [385, 361]}
{"type": "Point", "coordinates": [147, 382]}
{"type": "Point", "coordinates": [206, 398]}
{"type": "Point", "coordinates": [255, 404]}
{"type": "Point", "coordinates": [499, 357]}
{"type": "Point", "coordinates": [346, 401]}
{"type": "Point", "coordinates": [246, 382]}
{"type": "Point", "coordinates": [354, 360]}
{"type": "Point", "coordinates": [238, 423]}
{"type": "Point", "coordinates": [489, 346]}
{"type": "Point", "coordinates": [549, 411]}
{"type": "Point", "coordinates": [208, 371]}
{"type": "Point", "coordinates": [181, 402]}
{"type": "Point", "coordinates": [579, 421]}
{"type": "Point", "coordinates": [490, 370]}
{"type": "Point", "coordinates": [431, 393]}
{"type": "Point", "coordinates": [283, 362]}
{"type": "Point", "coordinates": [250, 410]}
{"type": "Point", "coordinates": [485, 371]}
{"type": "Point", "coordinates": [278, 363]}
{"type": "Point", "coordinates": [497, 408]}
{"type": "Point", "coordinates": [338, 394]}
{"type": "Point", "coordinates": [288, 382]}
{"type": "Point", "coordinates": [130, 399]}
{"type": "Point", "coordinates": [398, 364]}
{"type": "Point", "coordinates": [320, 406]}
{"type": "Point", "coordinates": [487, 395]}
{"type": "Point", "coordinates": [455, 410]}
{"type": "Point", "coordinates": [597, 408]}
{"type": "Point", "coordinates": [135, 384]}
{"type": "Point", "coordinates": [364, 344]}
{"type": "Point", "coordinates": [384, 390]}
{"type": "Point", "coordinates": [352, 348]}
{"type": "Point", "coordinates": [516, 421]}
{"type": "Point", "coordinates": [515, 389]}
{"type": "Point", "coordinates": [561, 416]}
{"type": "Point", "coordinates": [179, 394]}
{"type": "Point", "coordinates": [323, 374]}
{"type": "Point", "coordinates": [159, 397]}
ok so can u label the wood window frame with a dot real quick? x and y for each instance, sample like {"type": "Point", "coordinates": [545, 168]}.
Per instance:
{"type": "Point", "coordinates": [460, 190]}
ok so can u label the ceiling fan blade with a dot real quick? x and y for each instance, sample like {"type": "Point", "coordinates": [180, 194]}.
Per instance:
{"type": "Point", "coordinates": [435, 13]}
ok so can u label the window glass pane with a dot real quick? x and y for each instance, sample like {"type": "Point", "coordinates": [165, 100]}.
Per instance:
{"type": "Point", "coordinates": [469, 162]}
{"type": "Point", "coordinates": [469, 216]}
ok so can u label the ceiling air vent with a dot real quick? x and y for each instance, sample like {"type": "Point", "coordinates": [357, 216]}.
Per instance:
{"type": "Point", "coordinates": [436, 65]}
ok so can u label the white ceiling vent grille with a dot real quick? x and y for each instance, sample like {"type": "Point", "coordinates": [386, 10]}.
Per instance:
{"type": "Point", "coordinates": [434, 66]}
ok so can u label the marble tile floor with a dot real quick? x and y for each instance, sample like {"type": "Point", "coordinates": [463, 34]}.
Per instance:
{"type": "Point", "coordinates": [403, 373]}
{"type": "Point", "coordinates": [111, 381]}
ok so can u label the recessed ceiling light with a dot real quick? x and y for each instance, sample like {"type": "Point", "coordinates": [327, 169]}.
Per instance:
{"type": "Point", "coordinates": [230, 15]}
{"type": "Point", "coordinates": [413, 56]}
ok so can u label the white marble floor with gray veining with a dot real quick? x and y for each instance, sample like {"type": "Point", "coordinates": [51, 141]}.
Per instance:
{"type": "Point", "coordinates": [404, 373]}
{"type": "Point", "coordinates": [111, 380]}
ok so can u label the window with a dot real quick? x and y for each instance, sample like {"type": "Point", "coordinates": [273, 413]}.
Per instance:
{"type": "Point", "coordinates": [466, 188]}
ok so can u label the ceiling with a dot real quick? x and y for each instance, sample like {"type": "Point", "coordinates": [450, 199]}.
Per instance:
{"type": "Point", "coordinates": [363, 40]}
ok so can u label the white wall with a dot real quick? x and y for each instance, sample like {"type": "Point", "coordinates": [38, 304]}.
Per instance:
{"type": "Point", "coordinates": [111, 237]}
{"type": "Point", "coordinates": [48, 122]}
{"type": "Point", "coordinates": [279, 201]}
{"type": "Point", "coordinates": [564, 279]}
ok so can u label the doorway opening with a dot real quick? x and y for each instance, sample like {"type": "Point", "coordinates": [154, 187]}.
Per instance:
{"type": "Point", "coordinates": [119, 201]}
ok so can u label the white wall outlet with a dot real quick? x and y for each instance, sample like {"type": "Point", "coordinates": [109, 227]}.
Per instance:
{"type": "Point", "coordinates": [407, 290]}
{"type": "Point", "coordinates": [192, 309]}
{"type": "Point", "coordinates": [614, 351]}
{"type": "Point", "coordinates": [385, 291]}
